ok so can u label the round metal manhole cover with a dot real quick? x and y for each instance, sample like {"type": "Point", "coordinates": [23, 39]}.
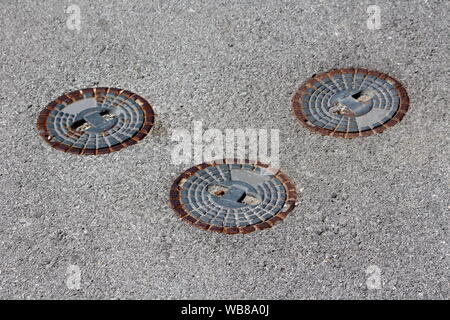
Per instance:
{"type": "Point", "coordinates": [350, 103]}
{"type": "Point", "coordinates": [95, 121]}
{"type": "Point", "coordinates": [232, 196]}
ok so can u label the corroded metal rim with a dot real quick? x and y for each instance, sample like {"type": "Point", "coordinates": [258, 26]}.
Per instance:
{"type": "Point", "coordinates": [176, 204]}
{"type": "Point", "coordinates": [77, 95]}
{"type": "Point", "coordinates": [297, 107]}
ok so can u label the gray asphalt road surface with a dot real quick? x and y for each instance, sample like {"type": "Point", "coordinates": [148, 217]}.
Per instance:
{"type": "Point", "coordinates": [74, 227]}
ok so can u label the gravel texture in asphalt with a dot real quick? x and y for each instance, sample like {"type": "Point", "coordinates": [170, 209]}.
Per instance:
{"type": "Point", "coordinates": [369, 209]}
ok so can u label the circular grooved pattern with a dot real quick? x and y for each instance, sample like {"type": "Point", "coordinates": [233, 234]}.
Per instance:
{"type": "Point", "coordinates": [95, 121]}
{"type": "Point", "coordinates": [350, 103]}
{"type": "Point", "coordinates": [232, 196]}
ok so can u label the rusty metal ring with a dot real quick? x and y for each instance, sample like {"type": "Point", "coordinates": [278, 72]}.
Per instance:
{"type": "Point", "coordinates": [350, 103]}
{"type": "Point", "coordinates": [232, 196]}
{"type": "Point", "coordinates": [95, 121]}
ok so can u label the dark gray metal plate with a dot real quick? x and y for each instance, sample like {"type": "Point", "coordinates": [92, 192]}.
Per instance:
{"type": "Point", "coordinates": [95, 121]}
{"type": "Point", "coordinates": [350, 102]}
{"type": "Point", "coordinates": [232, 197]}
